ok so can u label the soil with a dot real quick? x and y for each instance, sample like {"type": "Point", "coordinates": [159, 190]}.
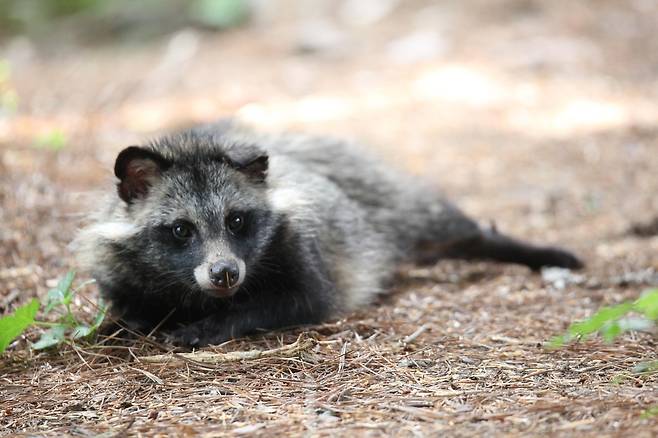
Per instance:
{"type": "Point", "coordinates": [540, 116]}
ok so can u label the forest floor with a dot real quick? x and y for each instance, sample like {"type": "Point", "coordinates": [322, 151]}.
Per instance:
{"type": "Point", "coordinates": [540, 116]}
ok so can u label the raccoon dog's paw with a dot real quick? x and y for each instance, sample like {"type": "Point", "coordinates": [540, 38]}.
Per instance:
{"type": "Point", "coordinates": [202, 333]}
{"type": "Point", "coordinates": [186, 336]}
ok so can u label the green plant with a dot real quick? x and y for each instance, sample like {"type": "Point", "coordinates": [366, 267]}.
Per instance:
{"type": "Point", "coordinates": [610, 322]}
{"type": "Point", "coordinates": [12, 326]}
{"type": "Point", "coordinates": [41, 18]}
{"type": "Point", "coordinates": [219, 14]}
{"type": "Point", "coordinates": [53, 140]}
{"type": "Point", "coordinates": [650, 412]}
{"type": "Point", "coordinates": [65, 328]}
{"type": "Point", "coordinates": [8, 97]}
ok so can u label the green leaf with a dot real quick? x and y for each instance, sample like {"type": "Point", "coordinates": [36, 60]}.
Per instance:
{"type": "Point", "coordinates": [81, 331]}
{"type": "Point", "coordinates": [620, 378]}
{"type": "Point", "coordinates": [611, 321]}
{"type": "Point", "coordinates": [54, 298]}
{"type": "Point", "coordinates": [650, 413]}
{"type": "Point", "coordinates": [220, 13]}
{"type": "Point", "coordinates": [100, 315]}
{"type": "Point", "coordinates": [83, 285]}
{"type": "Point", "coordinates": [599, 319]}
{"type": "Point", "coordinates": [27, 312]}
{"type": "Point", "coordinates": [646, 367]}
{"type": "Point", "coordinates": [65, 284]}
{"type": "Point", "coordinates": [12, 326]}
{"type": "Point", "coordinates": [647, 304]}
{"type": "Point", "coordinates": [50, 337]}
{"type": "Point", "coordinates": [559, 341]}
{"type": "Point", "coordinates": [54, 140]}
{"type": "Point", "coordinates": [84, 330]}
{"type": "Point", "coordinates": [611, 330]}
{"type": "Point", "coordinates": [61, 294]}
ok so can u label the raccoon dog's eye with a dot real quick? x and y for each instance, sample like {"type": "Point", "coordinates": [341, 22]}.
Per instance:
{"type": "Point", "coordinates": [182, 231]}
{"type": "Point", "coordinates": [235, 222]}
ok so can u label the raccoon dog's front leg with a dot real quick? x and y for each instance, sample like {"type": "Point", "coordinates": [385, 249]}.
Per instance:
{"type": "Point", "coordinates": [240, 322]}
{"type": "Point", "coordinates": [281, 308]}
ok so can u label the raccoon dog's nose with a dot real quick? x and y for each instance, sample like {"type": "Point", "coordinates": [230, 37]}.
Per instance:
{"type": "Point", "coordinates": [224, 274]}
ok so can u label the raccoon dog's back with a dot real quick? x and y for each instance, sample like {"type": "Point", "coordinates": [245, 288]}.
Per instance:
{"type": "Point", "coordinates": [218, 232]}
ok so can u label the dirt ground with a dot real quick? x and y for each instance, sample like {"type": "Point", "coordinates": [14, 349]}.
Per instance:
{"type": "Point", "coordinates": [542, 116]}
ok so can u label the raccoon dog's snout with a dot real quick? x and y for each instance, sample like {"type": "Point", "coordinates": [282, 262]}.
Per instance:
{"type": "Point", "coordinates": [224, 274]}
{"type": "Point", "coordinates": [221, 276]}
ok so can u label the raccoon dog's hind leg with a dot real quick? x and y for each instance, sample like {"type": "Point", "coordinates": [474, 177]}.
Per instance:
{"type": "Point", "coordinates": [454, 235]}
{"type": "Point", "coordinates": [492, 245]}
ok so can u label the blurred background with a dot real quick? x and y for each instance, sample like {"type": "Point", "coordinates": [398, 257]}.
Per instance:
{"type": "Point", "coordinates": [542, 115]}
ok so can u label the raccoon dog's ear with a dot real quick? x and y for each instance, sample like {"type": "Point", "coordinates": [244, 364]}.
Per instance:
{"type": "Point", "coordinates": [138, 169]}
{"type": "Point", "coordinates": [254, 167]}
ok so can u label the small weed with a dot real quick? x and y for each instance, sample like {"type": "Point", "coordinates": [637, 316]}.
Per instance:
{"type": "Point", "coordinates": [53, 140]}
{"type": "Point", "coordinates": [220, 14]}
{"type": "Point", "coordinates": [65, 328]}
{"type": "Point", "coordinates": [12, 326]}
{"type": "Point", "coordinates": [611, 322]}
{"type": "Point", "coordinates": [8, 96]}
{"type": "Point", "coordinates": [650, 412]}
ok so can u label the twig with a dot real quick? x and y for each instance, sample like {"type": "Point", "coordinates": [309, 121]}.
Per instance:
{"type": "Point", "coordinates": [155, 379]}
{"type": "Point", "coordinates": [124, 429]}
{"type": "Point", "coordinates": [343, 354]}
{"type": "Point", "coordinates": [208, 357]}
{"type": "Point", "coordinates": [412, 337]}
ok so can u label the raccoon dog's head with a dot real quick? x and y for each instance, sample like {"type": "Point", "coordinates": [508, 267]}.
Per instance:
{"type": "Point", "coordinates": [200, 210]}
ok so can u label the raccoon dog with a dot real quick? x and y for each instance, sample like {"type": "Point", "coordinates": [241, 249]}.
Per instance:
{"type": "Point", "coordinates": [218, 232]}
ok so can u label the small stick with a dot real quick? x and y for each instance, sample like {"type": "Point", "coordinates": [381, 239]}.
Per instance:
{"type": "Point", "coordinates": [343, 353]}
{"type": "Point", "coordinates": [412, 337]}
{"type": "Point", "coordinates": [208, 357]}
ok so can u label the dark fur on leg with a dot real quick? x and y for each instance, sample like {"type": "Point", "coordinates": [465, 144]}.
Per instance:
{"type": "Point", "coordinates": [492, 245]}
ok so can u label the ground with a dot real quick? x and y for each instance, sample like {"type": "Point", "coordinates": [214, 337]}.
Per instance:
{"type": "Point", "coordinates": [540, 116]}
